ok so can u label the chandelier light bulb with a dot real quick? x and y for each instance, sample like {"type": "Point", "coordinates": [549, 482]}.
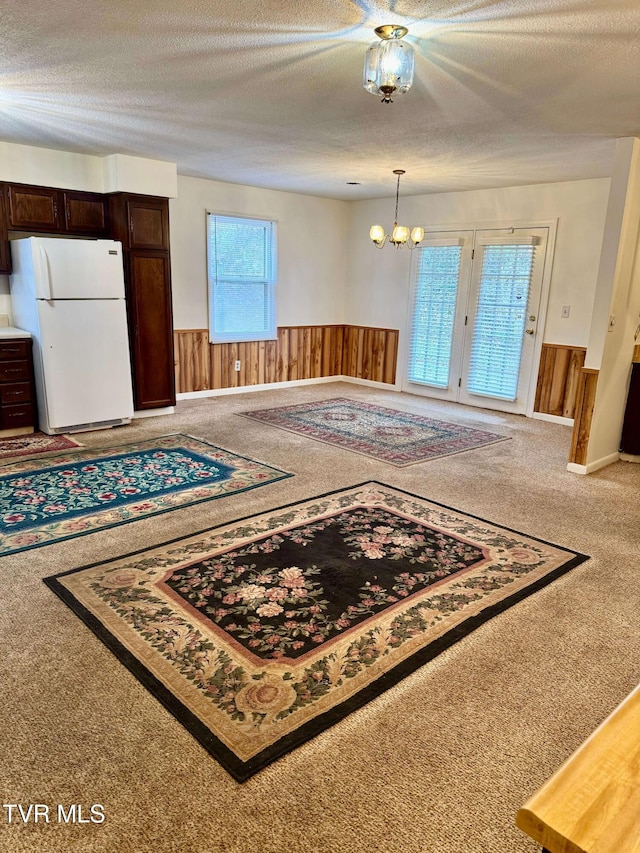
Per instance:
{"type": "Point", "coordinates": [377, 233]}
{"type": "Point", "coordinates": [400, 234]}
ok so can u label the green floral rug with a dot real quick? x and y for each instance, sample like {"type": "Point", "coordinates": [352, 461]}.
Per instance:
{"type": "Point", "coordinates": [260, 633]}
{"type": "Point", "coordinates": [85, 491]}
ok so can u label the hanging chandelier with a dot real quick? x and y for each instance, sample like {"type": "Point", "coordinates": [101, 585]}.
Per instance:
{"type": "Point", "coordinates": [388, 63]}
{"type": "Point", "coordinates": [401, 235]}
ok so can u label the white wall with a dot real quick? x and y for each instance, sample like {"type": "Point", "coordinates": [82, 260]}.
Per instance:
{"type": "Point", "coordinates": [26, 164]}
{"type": "Point", "coordinates": [47, 167]}
{"type": "Point", "coordinates": [378, 288]}
{"type": "Point", "coordinates": [611, 347]}
{"type": "Point", "coordinates": [312, 250]}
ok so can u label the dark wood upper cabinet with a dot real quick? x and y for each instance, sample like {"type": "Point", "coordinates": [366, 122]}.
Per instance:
{"type": "Point", "coordinates": [86, 213]}
{"type": "Point", "coordinates": [33, 208]}
{"type": "Point", "coordinates": [5, 252]}
{"type": "Point", "coordinates": [148, 224]}
{"type": "Point", "coordinates": [140, 222]}
{"type": "Point", "coordinates": [44, 209]}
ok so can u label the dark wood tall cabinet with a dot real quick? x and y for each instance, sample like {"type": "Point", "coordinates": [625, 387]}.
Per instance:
{"type": "Point", "coordinates": [630, 442]}
{"type": "Point", "coordinates": [141, 224]}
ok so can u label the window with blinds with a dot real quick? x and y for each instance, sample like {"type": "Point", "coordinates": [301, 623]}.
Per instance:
{"type": "Point", "coordinates": [242, 270]}
{"type": "Point", "coordinates": [501, 314]}
{"type": "Point", "coordinates": [433, 315]}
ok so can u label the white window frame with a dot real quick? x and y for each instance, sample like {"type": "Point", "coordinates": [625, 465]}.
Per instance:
{"type": "Point", "coordinates": [269, 331]}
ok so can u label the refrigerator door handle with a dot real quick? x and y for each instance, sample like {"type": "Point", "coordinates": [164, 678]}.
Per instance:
{"type": "Point", "coordinates": [45, 273]}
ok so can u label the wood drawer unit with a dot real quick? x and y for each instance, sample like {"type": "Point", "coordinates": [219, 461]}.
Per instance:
{"type": "Point", "coordinates": [15, 348]}
{"type": "Point", "coordinates": [15, 392]}
{"type": "Point", "coordinates": [17, 395]}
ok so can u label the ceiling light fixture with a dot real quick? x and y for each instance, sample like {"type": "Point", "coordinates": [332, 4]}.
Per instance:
{"type": "Point", "coordinates": [401, 235]}
{"type": "Point", "coordinates": [388, 63]}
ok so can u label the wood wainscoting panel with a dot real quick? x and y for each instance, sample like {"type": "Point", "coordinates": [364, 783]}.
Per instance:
{"type": "Point", "coordinates": [558, 379]}
{"type": "Point", "coordinates": [585, 398]}
{"type": "Point", "coordinates": [299, 352]}
{"type": "Point", "coordinates": [370, 353]}
{"type": "Point", "coordinates": [193, 367]}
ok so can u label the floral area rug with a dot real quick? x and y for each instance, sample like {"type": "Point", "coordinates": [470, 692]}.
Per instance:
{"type": "Point", "coordinates": [400, 438]}
{"type": "Point", "coordinates": [37, 442]}
{"type": "Point", "coordinates": [87, 491]}
{"type": "Point", "coordinates": [260, 633]}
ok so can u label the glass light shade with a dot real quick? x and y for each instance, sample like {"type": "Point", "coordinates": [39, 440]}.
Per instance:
{"type": "Point", "coordinates": [400, 234]}
{"type": "Point", "coordinates": [377, 233]}
{"type": "Point", "coordinates": [417, 234]}
{"type": "Point", "coordinates": [388, 67]}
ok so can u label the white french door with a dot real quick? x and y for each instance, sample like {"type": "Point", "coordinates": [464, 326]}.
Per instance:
{"type": "Point", "coordinates": [474, 307]}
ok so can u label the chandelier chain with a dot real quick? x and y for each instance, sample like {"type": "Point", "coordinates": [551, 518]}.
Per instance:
{"type": "Point", "coordinates": [397, 197]}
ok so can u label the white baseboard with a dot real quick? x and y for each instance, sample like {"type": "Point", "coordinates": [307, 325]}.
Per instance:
{"type": "Point", "coordinates": [629, 457]}
{"type": "Point", "coordinates": [370, 383]}
{"type": "Point", "coordinates": [555, 419]}
{"type": "Point", "coordinates": [152, 413]}
{"type": "Point", "coordinates": [593, 466]}
{"type": "Point", "coordinates": [292, 383]}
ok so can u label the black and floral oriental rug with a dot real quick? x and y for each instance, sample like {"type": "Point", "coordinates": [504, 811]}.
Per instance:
{"type": "Point", "coordinates": [260, 633]}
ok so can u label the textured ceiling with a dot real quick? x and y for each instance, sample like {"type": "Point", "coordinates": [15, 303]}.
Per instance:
{"type": "Point", "coordinates": [269, 93]}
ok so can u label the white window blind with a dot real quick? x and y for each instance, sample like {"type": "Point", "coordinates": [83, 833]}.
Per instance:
{"type": "Point", "coordinates": [434, 308]}
{"type": "Point", "coordinates": [242, 263]}
{"type": "Point", "coordinates": [501, 314]}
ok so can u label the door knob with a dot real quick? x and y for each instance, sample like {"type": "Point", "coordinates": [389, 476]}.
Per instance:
{"type": "Point", "coordinates": [528, 331]}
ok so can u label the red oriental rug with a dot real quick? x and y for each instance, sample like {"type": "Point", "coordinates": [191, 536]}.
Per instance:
{"type": "Point", "coordinates": [389, 435]}
{"type": "Point", "coordinates": [259, 634]}
{"type": "Point", "coordinates": [37, 442]}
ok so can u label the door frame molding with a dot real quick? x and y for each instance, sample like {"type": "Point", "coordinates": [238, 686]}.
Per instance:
{"type": "Point", "coordinates": [492, 225]}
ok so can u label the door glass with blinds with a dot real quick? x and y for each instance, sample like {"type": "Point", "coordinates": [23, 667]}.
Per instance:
{"type": "Point", "coordinates": [439, 290]}
{"type": "Point", "coordinates": [491, 339]}
{"type": "Point", "coordinates": [242, 269]}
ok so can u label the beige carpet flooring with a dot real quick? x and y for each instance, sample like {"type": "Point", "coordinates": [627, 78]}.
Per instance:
{"type": "Point", "coordinates": [438, 764]}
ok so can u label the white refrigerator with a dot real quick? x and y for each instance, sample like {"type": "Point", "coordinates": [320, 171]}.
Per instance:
{"type": "Point", "coordinates": [69, 294]}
